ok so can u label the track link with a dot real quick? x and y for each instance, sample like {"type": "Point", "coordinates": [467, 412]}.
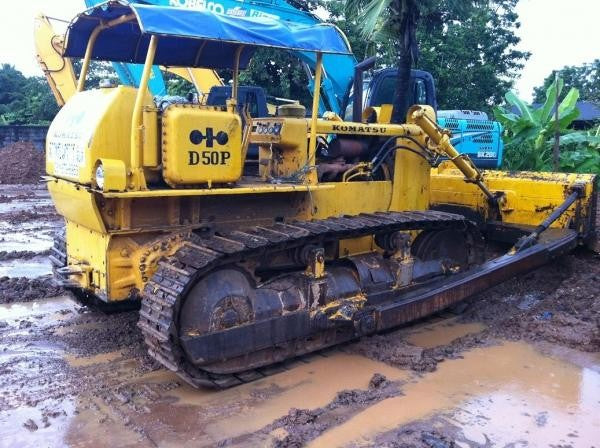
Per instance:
{"type": "Point", "coordinates": [166, 290]}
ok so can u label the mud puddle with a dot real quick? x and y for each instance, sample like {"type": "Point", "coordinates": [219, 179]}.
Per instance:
{"type": "Point", "coordinates": [31, 238]}
{"type": "Point", "coordinates": [50, 310]}
{"type": "Point", "coordinates": [28, 219]}
{"type": "Point", "coordinates": [442, 332]}
{"type": "Point", "coordinates": [510, 394]}
{"type": "Point", "coordinates": [307, 386]}
{"type": "Point", "coordinates": [36, 266]}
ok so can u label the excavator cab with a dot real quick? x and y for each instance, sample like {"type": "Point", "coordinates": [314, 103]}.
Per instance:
{"type": "Point", "coordinates": [334, 238]}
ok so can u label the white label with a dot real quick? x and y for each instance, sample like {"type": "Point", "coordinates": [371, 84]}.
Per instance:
{"type": "Point", "coordinates": [486, 154]}
{"type": "Point", "coordinates": [202, 5]}
{"type": "Point", "coordinates": [219, 8]}
{"type": "Point", "coordinates": [71, 131]}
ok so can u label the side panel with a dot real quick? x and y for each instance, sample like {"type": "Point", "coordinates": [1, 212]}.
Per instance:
{"type": "Point", "coordinates": [201, 145]}
{"type": "Point", "coordinates": [94, 124]}
{"type": "Point", "coordinates": [76, 205]}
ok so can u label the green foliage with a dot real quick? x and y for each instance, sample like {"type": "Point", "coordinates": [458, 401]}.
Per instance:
{"type": "Point", "coordinates": [178, 86]}
{"type": "Point", "coordinates": [396, 21]}
{"type": "Point", "coordinates": [470, 49]}
{"type": "Point", "coordinates": [529, 135]}
{"type": "Point", "coordinates": [281, 74]}
{"type": "Point", "coordinates": [469, 46]}
{"type": "Point", "coordinates": [585, 78]}
{"type": "Point", "coordinates": [24, 100]}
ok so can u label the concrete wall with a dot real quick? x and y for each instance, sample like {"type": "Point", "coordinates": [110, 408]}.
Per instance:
{"type": "Point", "coordinates": [12, 133]}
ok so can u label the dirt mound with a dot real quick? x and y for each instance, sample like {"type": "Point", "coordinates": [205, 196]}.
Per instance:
{"type": "Point", "coordinates": [22, 289]}
{"type": "Point", "coordinates": [393, 349]}
{"type": "Point", "coordinates": [21, 163]}
{"type": "Point", "coordinates": [558, 303]}
{"type": "Point", "coordinates": [21, 254]}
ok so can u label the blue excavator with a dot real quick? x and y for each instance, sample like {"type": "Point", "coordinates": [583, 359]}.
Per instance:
{"type": "Point", "coordinates": [345, 92]}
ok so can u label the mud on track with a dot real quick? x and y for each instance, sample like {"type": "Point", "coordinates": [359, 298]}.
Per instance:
{"type": "Point", "coordinates": [516, 366]}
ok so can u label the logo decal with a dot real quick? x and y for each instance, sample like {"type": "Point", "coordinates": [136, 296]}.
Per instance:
{"type": "Point", "coordinates": [209, 157]}
{"type": "Point", "coordinates": [197, 137]}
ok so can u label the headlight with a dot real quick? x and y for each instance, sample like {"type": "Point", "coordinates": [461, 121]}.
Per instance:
{"type": "Point", "coordinates": [100, 176]}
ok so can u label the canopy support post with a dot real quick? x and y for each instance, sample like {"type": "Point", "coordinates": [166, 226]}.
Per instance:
{"type": "Point", "coordinates": [312, 146]}
{"type": "Point", "coordinates": [236, 77]}
{"type": "Point", "coordinates": [90, 46]}
{"type": "Point", "coordinates": [137, 178]}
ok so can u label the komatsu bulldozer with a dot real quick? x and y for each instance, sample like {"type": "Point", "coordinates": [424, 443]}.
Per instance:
{"type": "Point", "coordinates": [340, 233]}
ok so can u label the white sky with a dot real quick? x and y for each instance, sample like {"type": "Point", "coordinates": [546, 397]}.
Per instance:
{"type": "Point", "coordinates": [556, 32]}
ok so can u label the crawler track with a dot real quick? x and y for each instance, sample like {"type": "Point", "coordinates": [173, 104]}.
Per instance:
{"type": "Point", "coordinates": [167, 289]}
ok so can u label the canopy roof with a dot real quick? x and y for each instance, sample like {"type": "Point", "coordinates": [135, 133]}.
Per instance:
{"type": "Point", "coordinates": [192, 38]}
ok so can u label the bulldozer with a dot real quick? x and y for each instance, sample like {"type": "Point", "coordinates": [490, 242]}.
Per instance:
{"type": "Point", "coordinates": [342, 232]}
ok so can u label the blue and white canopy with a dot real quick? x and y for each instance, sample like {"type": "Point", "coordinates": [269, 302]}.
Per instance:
{"type": "Point", "coordinates": [192, 38]}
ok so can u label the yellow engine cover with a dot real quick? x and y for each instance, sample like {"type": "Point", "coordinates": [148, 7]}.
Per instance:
{"type": "Point", "coordinates": [201, 145]}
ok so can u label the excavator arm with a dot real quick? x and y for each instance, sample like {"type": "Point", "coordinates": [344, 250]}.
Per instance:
{"type": "Point", "coordinates": [57, 69]}
{"type": "Point", "coordinates": [60, 74]}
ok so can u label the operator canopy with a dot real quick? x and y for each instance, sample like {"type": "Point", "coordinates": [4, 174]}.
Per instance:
{"type": "Point", "coordinates": [192, 38]}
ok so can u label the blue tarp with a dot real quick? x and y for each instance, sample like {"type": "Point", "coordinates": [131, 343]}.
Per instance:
{"type": "Point", "coordinates": [192, 38]}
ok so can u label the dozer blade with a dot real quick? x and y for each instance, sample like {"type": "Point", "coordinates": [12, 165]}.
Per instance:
{"type": "Point", "coordinates": [433, 298]}
{"type": "Point", "coordinates": [527, 199]}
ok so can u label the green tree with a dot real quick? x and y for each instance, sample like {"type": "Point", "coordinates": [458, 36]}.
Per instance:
{"type": "Point", "coordinates": [468, 46]}
{"type": "Point", "coordinates": [395, 20]}
{"type": "Point", "coordinates": [280, 73]}
{"type": "Point", "coordinates": [470, 49]}
{"type": "Point", "coordinates": [585, 78]}
{"type": "Point", "coordinates": [25, 100]}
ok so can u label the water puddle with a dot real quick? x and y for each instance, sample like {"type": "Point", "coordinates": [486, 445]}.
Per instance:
{"type": "Point", "coordinates": [306, 386]}
{"type": "Point", "coordinates": [31, 268]}
{"type": "Point", "coordinates": [68, 422]}
{"type": "Point", "coordinates": [84, 361]}
{"type": "Point", "coordinates": [26, 204]}
{"type": "Point", "coordinates": [37, 238]}
{"type": "Point", "coordinates": [55, 305]}
{"type": "Point", "coordinates": [442, 333]}
{"type": "Point", "coordinates": [507, 393]}
{"type": "Point", "coordinates": [76, 328]}
{"type": "Point", "coordinates": [35, 426]}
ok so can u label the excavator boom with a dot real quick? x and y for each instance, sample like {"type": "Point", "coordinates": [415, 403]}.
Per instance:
{"type": "Point", "coordinates": [57, 69]}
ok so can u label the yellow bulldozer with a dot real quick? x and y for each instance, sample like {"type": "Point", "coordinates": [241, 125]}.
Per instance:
{"type": "Point", "coordinates": [341, 232]}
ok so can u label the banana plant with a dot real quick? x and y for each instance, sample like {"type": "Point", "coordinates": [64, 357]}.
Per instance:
{"type": "Point", "coordinates": [529, 135]}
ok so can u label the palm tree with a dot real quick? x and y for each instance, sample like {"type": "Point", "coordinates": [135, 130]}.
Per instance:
{"type": "Point", "coordinates": [397, 19]}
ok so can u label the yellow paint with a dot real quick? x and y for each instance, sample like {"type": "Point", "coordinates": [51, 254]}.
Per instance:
{"type": "Point", "coordinates": [102, 118]}
{"type": "Point", "coordinates": [115, 235]}
{"type": "Point", "coordinates": [87, 249]}
{"type": "Point", "coordinates": [241, 188]}
{"type": "Point", "coordinates": [150, 146]}
{"type": "Point", "coordinates": [282, 154]}
{"type": "Point", "coordinates": [137, 180]}
{"type": "Point", "coordinates": [373, 129]}
{"type": "Point", "coordinates": [115, 175]}
{"type": "Point", "coordinates": [203, 79]}
{"type": "Point", "coordinates": [76, 205]}
{"type": "Point", "coordinates": [312, 146]}
{"type": "Point", "coordinates": [215, 158]}
{"type": "Point", "coordinates": [57, 69]}
{"type": "Point", "coordinates": [529, 198]}
{"type": "Point", "coordinates": [92, 41]}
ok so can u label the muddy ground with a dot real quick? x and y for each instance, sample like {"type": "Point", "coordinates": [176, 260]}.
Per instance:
{"type": "Point", "coordinates": [517, 366]}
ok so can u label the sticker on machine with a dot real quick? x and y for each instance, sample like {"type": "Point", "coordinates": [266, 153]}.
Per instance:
{"type": "Point", "coordinates": [70, 133]}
